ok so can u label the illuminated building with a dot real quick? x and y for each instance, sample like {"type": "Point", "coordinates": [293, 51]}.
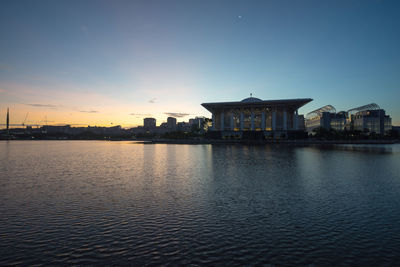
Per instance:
{"type": "Point", "coordinates": [255, 117]}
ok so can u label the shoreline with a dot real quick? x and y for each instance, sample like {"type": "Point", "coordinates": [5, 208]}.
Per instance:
{"type": "Point", "coordinates": [230, 142]}
{"type": "Point", "coordinates": [266, 142]}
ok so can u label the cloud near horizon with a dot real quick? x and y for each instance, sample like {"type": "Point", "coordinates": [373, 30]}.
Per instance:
{"type": "Point", "coordinates": [42, 105]}
{"type": "Point", "coordinates": [176, 114]}
{"type": "Point", "coordinates": [89, 111]}
{"type": "Point", "coordinates": [140, 114]}
{"type": "Point", "coordinates": [153, 100]}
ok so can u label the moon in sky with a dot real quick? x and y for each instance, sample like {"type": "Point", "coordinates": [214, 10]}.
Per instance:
{"type": "Point", "coordinates": [239, 17]}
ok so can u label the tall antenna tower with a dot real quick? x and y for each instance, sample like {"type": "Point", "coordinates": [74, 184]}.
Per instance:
{"type": "Point", "coordinates": [8, 121]}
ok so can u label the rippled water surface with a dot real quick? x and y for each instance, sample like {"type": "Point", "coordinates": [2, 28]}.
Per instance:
{"type": "Point", "coordinates": [94, 202]}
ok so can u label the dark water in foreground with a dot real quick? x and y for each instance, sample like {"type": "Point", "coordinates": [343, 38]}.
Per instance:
{"type": "Point", "coordinates": [93, 202]}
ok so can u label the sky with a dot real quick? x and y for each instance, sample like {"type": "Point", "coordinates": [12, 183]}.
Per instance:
{"type": "Point", "coordinates": [116, 62]}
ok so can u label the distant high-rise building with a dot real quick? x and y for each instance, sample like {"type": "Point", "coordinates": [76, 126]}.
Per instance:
{"type": "Point", "coordinates": [198, 122]}
{"type": "Point", "coordinates": [149, 123]}
{"type": "Point", "coordinates": [171, 122]}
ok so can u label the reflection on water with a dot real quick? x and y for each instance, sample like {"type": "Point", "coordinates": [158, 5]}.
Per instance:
{"type": "Point", "coordinates": [364, 148]}
{"type": "Point", "coordinates": [90, 202]}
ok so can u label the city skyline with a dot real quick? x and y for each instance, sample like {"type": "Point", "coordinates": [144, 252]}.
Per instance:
{"type": "Point", "coordinates": [116, 63]}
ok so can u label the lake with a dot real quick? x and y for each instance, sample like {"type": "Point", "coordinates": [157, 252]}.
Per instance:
{"type": "Point", "coordinates": [102, 203]}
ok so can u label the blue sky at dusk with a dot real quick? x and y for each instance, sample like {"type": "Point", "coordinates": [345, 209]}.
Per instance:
{"type": "Point", "coordinates": [116, 62]}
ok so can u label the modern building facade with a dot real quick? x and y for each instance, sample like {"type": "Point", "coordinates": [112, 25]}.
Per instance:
{"type": "Point", "coordinates": [318, 118]}
{"type": "Point", "coordinates": [372, 121]}
{"type": "Point", "coordinates": [326, 118]}
{"type": "Point", "coordinates": [367, 119]}
{"type": "Point", "coordinates": [271, 118]}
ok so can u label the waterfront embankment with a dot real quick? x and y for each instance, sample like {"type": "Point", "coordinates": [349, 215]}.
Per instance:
{"type": "Point", "coordinates": [262, 142]}
{"type": "Point", "coordinates": [203, 141]}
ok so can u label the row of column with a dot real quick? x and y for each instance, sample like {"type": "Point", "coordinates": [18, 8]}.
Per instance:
{"type": "Point", "coordinates": [273, 121]}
